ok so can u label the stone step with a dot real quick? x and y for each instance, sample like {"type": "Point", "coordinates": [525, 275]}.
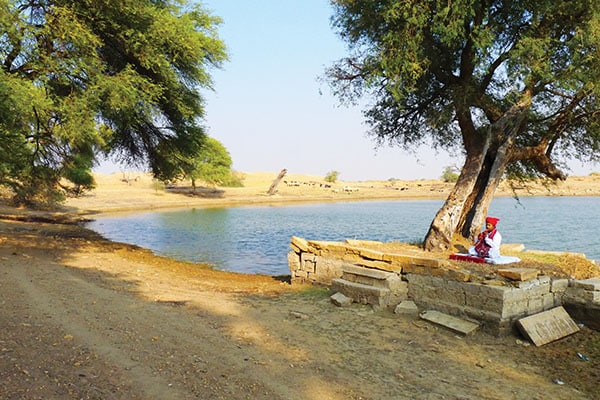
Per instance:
{"type": "Point", "coordinates": [373, 277]}
{"type": "Point", "coordinates": [361, 293]}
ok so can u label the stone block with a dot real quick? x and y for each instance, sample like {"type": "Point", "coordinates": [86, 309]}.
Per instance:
{"type": "Point", "coordinates": [322, 245]}
{"type": "Point", "coordinates": [519, 274]}
{"type": "Point", "coordinates": [548, 301]}
{"type": "Point", "coordinates": [535, 305]}
{"type": "Point", "coordinates": [559, 285]}
{"type": "Point", "coordinates": [341, 300]}
{"type": "Point", "coordinates": [307, 257]}
{"type": "Point", "coordinates": [428, 262]}
{"type": "Point", "coordinates": [505, 293]}
{"type": "Point", "coordinates": [458, 275]}
{"type": "Point", "coordinates": [514, 309]}
{"type": "Point", "coordinates": [484, 303]}
{"type": "Point", "coordinates": [371, 254]}
{"type": "Point", "coordinates": [360, 293]}
{"type": "Point", "coordinates": [457, 297]}
{"type": "Point", "coordinates": [331, 267]}
{"type": "Point", "coordinates": [300, 274]}
{"type": "Point", "coordinates": [293, 261]}
{"type": "Point", "coordinates": [423, 270]}
{"type": "Point", "coordinates": [455, 324]}
{"type": "Point", "coordinates": [582, 296]}
{"type": "Point", "coordinates": [534, 284]}
{"type": "Point", "coordinates": [362, 243]}
{"type": "Point", "coordinates": [547, 326]}
{"type": "Point", "coordinates": [592, 284]}
{"type": "Point", "coordinates": [300, 243]}
{"type": "Point", "coordinates": [396, 284]}
{"type": "Point", "coordinates": [372, 273]}
{"type": "Point", "coordinates": [545, 279]}
{"type": "Point", "coordinates": [407, 307]}
{"type": "Point", "coordinates": [380, 265]}
{"type": "Point", "coordinates": [397, 259]}
{"type": "Point", "coordinates": [352, 258]}
{"type": "Point", "coordinates": [309, 266]}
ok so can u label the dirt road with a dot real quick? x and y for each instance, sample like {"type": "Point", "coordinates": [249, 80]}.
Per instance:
{"type": "Point", "coordinates": [82, 318]}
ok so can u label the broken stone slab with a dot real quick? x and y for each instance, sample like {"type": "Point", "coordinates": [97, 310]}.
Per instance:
{"type": "Point", "coordinates": [407, 307]}
{"type": "Point", "coordinates": [340, 300]}
{"type": "Point", "coordinates": [547, 326]}
{"type": "Point", "coordinates": [453, 323]}
{"type": "Point", "coordinates": [519, 274]}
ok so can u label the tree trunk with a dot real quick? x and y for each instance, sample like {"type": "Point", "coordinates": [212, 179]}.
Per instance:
{"type": "Point", "coordinates": [467, 205]}
{"type": "Point", "coordinates": [273, 188]}
{"type": "Point", "coordinates": [477, 205]}
{"type": "Point", "coordinates": [443, 226]}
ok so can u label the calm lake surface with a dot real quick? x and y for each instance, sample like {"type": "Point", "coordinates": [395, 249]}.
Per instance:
{"type": "Point", "coordinates": [256, 239]}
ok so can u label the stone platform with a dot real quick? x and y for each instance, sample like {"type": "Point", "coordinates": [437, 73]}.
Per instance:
{"type": "Point", "coordinates": [384, 279]}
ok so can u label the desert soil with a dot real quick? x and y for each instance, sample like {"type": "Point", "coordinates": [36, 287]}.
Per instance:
{"type": "Point", "coordinates": [85, 318]}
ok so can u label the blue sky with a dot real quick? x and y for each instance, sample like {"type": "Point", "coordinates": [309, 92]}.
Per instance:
{"type": "Point", "coordinates": [271, 112]}
{"type": "Point", "coordinates": [269, 109]}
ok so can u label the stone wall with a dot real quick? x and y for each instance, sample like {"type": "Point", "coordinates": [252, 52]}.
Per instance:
{"type": "Point", "coordinates": [383, 279]}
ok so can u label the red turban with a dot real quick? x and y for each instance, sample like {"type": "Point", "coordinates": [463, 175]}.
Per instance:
{"type": "Point", "coordinates": [492, 220]}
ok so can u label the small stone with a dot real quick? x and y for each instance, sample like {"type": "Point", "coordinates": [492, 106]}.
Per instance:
{"type": "Point", "coordinates": [341, 300]}
{"type": "Point", "coordinates": [298, 314]}
{"type": "Point", "coordinates": [407, 307]}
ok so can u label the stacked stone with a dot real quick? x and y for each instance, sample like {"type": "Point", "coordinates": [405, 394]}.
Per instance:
{"type": "Point", "coordinates": [496, 307]}
{"type": "Point", "coordinates": [381, 279]}
{"type": "Point", "coordinates": [586, 291]}
{"type": "Point", "coordinates": [371, 286]}
{"type": "Point", "coordinates": [320, 262]}
{"type": "Point", "coordinates": [582, 300]}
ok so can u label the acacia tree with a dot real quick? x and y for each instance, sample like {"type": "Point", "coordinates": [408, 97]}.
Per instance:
{"type": "Point", "coordinates": [513, 85]}
{"type": "Point", "coordinates": [211, 165]}
{"type": "Point", "coordinates": [81, 77]}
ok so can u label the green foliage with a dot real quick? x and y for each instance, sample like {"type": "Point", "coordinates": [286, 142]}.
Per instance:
{"type": "Point", "coordinates": [450, 175]}
{"type": "Point", "coordinates": [212, 165]}
{"type": "Point", "coordinates": [332, 176]}
{"type": "Point", "coordinates": [119, 77]}
{"type": "Point", "coordinates": [235, 179]}
{"type": "Point", "coordinates": [445, 72]}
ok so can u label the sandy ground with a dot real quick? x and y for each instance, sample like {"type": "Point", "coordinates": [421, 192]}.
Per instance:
{"type": "Point", "coordinates": [84, 318]}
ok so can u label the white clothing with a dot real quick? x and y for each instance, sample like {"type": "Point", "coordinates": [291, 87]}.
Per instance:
{"type": "Point", "coordinates": [494, 244]}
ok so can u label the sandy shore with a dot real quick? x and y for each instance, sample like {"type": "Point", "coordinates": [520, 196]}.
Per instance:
{"type": "Point", "coordinates": [84, 318]}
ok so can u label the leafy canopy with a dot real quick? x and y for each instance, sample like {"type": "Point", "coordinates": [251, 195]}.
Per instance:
{"type": "Point", "coordinates": [443, 71]}
{"type": "Point", "coordinates": [121, 77]}
{"type": "Point", "coordinates": [212, 165]}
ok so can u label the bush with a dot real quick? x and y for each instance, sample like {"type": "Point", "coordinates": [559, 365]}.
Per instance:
{"type": "Point", "coordinates": [450, 175]}
{"type": "Point", "coordinates": [332, 176]}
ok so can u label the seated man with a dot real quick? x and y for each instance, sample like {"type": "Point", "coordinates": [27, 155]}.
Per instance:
{"type": "Point", "coordinates": [488, 242]}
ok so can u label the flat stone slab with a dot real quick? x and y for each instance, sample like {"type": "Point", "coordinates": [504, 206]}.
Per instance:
{"type": "Point", "coordinates": [547, 326]}
{"type": "Point", "coordinates": [453, 323]}
{"type": "Point", "coordinates": [519, 274]}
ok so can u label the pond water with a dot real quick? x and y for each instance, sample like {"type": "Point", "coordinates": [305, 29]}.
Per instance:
{"type": "Point", "coordinates": [256, 239]}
